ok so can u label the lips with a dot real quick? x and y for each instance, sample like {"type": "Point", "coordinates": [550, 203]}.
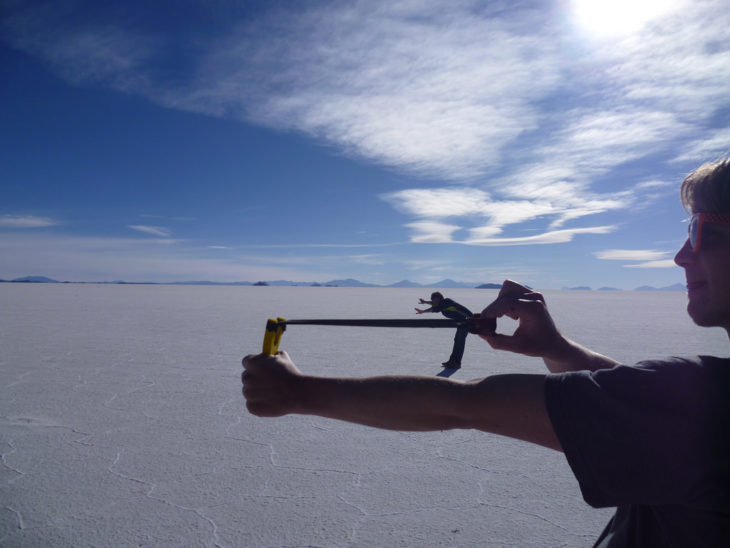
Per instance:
{"type": "Point", "coordinates": [696, 284]}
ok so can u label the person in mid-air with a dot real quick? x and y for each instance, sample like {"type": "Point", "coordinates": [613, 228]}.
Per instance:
{"type": "Point", "coordinates": [453, 310]}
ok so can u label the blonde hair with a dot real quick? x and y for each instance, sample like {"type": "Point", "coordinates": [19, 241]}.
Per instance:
{"type": "Point", "coordinates": [707, 188]}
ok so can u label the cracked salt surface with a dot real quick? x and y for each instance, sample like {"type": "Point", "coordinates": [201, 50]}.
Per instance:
{"type": "Point", "coordinates": [122, 424]}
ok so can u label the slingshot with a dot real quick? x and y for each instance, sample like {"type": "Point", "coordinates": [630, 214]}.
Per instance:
{"type": "Point", "coordinates": [275, 327]}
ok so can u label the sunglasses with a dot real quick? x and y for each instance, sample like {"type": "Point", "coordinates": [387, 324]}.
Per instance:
{"type": "Point", "coordinates": [695, 226]}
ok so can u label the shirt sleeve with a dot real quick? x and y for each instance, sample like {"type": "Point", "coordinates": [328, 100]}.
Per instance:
{"type": "Point", "coordinates": [632, 434]}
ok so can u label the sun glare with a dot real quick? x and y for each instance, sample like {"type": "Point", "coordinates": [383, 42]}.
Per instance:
{"type": "Point", "coordinates": [618, 17]}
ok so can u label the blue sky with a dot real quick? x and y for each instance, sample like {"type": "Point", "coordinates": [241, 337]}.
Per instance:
{"type": "Point", "coordinates": [316, 140]}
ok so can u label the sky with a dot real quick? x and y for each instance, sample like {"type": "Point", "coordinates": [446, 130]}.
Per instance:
{"type": "Point", "coordinates": [541, 141]}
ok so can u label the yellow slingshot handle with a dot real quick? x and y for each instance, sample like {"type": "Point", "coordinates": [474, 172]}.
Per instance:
{"type": "Point", "coordinates": [274, 330]}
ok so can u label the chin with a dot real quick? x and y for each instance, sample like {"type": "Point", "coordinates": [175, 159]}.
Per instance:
{"type": "Point", "coordinates": [707, 318]}
{"type": "Point", "coordinates": [697, 312]}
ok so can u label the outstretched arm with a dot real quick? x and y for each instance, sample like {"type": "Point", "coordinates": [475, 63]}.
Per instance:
{"type": "Point", "coordinates": [537, 334]}
{"type": "Point", "coordinates": [424, 310]}
{"type": "Point", "coordinates": [509, 405]}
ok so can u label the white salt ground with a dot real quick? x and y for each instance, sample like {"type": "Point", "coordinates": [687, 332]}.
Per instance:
{"type": "Point", "coordinates": [122, 423]}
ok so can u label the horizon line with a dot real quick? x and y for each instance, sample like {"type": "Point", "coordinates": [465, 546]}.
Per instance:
{"type": "Point", "coordinates": [332, 283]}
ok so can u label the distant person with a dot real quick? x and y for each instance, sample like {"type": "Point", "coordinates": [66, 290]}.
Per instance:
{"type": "Point", "coordinates": [652, 439]}
{"type": "Point", "coordinates": [453, 310]}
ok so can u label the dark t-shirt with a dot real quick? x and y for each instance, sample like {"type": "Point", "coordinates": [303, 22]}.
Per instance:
{"type": "Point", "coordinates": [452, 310]}
{"type": "Point", "coordinates": [654, 440]}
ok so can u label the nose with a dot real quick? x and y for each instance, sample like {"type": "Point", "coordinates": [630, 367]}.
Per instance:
{"type": "Point", "coordinates": [685, 255]}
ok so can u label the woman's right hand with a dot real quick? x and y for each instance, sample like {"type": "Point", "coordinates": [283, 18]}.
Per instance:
{"type": "Point", "coordinates": [536, 334]}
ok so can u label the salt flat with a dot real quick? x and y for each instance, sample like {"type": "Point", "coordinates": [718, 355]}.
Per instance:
{"type": "Point", "coordinates": [122, 423]}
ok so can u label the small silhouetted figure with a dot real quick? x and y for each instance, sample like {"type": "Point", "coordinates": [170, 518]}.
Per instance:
{"type": "Point", "coordinates": [455, 311]}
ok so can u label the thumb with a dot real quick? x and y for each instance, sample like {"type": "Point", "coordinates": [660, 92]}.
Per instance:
{"type": "Point", "coordinates": [502, 342]}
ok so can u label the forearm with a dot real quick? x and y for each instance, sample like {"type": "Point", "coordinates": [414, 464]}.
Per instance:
{"type": "Point", "coordinates": [510, 405]}
{"type": "Point", "coordinates": [568, 355]}
{"type": "Point", "coordinates": [392, 402]}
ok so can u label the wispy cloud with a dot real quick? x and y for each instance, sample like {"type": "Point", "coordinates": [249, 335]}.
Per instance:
{"type": "Point", "coordinates": [439, 87]}
{"type": "Point", "coordinates": [25, 221]}
{"type": "Point", "coordinates": [631, 254]}
{"type": "Point", "coordinates": [525, 116]}
{"type": "Point", "coordinates": [550, 237]}
{"type": "Point", "coordinates": [483, 218]}
{"type": "Point", "coordinates": [426, 86]}
{"type": "Point", "coordinates": [82, 49]}
{"type": "Point", "coordinates": [591, 142]}
{"type": "Point", "coordinates": [316, 245]}
{"type": "Point", "coordinates": [432, 232]}
{"type": "Point", "coordinates": [666, 263]}
{"type": "Point", "coordinates": [154, 230]}
{"type": "Point", "coordinates": [371, 259]}
{"type": "Point", "coordinates": [648, 258]}
{"type": "Point", "coordinates": [715, 144]}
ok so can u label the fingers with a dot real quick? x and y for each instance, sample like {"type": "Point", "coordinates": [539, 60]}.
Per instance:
{"type": "Point", "coordinates": [536, 332]}
{"type": "Point", "coordinates": [514, 307]}
{"type": "Point", "coordinates": [269, 384]}
{"type": "Point", "coordinates": [482, 325]}
{"type": "Point", "coordinates": [252, 376]}
{"type": "Point", "coordinates": [512, 288]}
{"type": "Point", "coordinates": [515, 290]}
{"type": "Point", "coordinates": [256, 361]}
{"type": "Point", "coordinates": [509, 299]}
{"type": "Point", "coordinates": [252, 364]}
{"type": "Point", "coordinates": [534, 296]}
{"type": "Point", "coordinates": [497, 341]}
{"type": "Point", "coordinates": [244, 383]}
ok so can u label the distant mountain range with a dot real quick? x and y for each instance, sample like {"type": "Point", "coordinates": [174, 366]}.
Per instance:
{"type": "Point", "coordinates": [33, 280]}
{"type": "Point", "coordinates": [349, 282]}
{"type": "Point", "coordinates": [675, 287]}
